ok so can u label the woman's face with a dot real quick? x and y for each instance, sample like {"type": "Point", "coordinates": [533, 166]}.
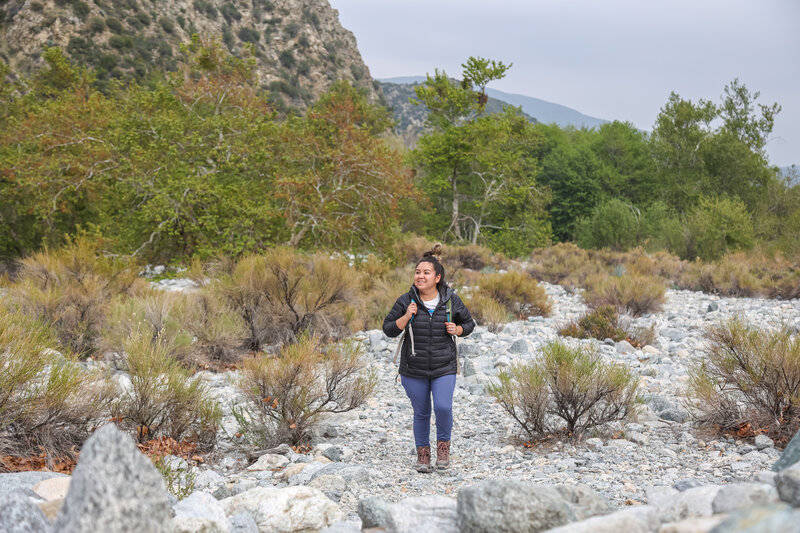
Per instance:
{"type": "Point", "coordinates": [425, 277]}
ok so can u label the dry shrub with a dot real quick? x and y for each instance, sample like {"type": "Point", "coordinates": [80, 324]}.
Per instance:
{"type": "Point", "coordinates": [410, 249]}
{"type": "Point", "coordinates": [282, 294]}
{"type": "Point", "coordinates": [71, 289]}
{"type": "Point", "coordinates": [49, 404]}
{"type": "Point", "coordinates": [603, 323]}
{"type": "Point", "coordinates": [158, 313]}
{"type": "Point", "coordinates": [162, 399]}
{"type": "Point", "coordinates": [564, 264]}
{"type": "Point", "coordinates": [569, 386]}
{"type": "Point", "coordinates": [518, 292]}
{"type": "Point", "coordinates": [633, 294]}
{"type": "Point", "coordinates": [487, 311]}
{"type": "Point", "coordinates": [379, 300]}
{"type": "Point", "coordinates": [748, 376]}
{"type": "Point", "coordinates": [470, 256]}
{"type": "Point", "coordinates": [371, 269]}
{"type": "Point", "coordinates": [286, 395]}
{"type": "Point", "coordinates": [726, 277]}
{"type": "Point", "coordinates": [218, 331]}
{"type": "Point", "coordinates": [600, 323]}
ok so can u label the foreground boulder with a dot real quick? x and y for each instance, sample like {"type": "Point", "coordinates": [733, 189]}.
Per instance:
{"type": "Point", "coordinates": [285, 510]}
{"type": "Point", "coordinates": [510, 506]}
{"type": "Point", "coordinates": [18, 514]}
{"type": "Point", "coordinates": [422, 513]}
{"type": "Point", "coordinates": [640, 519]}
{"type": "Point", "coordinates": [114, 489]}
{"type": "Point", "coordinates": [790, 455]}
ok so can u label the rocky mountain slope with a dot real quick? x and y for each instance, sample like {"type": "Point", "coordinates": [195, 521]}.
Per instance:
{"type": "Point", "coordinates": [299, 45]}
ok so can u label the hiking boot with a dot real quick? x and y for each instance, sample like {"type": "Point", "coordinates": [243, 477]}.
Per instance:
{"type": "Point", "coordinates": [442, 454]}
{"type": "Point", "coordinates": [423, 460]}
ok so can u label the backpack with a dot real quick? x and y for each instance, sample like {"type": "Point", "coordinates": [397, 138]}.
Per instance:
{"type": "Point", "coordinates": [411, 334]}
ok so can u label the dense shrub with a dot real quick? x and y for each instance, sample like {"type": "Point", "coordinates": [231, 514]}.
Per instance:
{"type": "Point", "coordinates": [286, 395]}
{"type": "Point", "coordinates": [604, 323]}
{"type": "Point", "coordinates": [730, 276]}
{"type": "Point", "coordinates": [634, 294]}
{"type": "Point", "coordinates": [717, 226]}
{"type": "Point", "coordinates": [162, 399]}
{"type": "Point", "coordinates": [153, 312]}
{"type": "Point", "coordinates": [518, 292]}
{"type": "Point", "coordinates": [471, 256]}
{"type": "Point", "coordinates": [114, 24]}
{"type": "Point", "coordinates": [48, 403]}
{"type": "Point", "coordinates": [71, 289]}
{"type": "Point", "coordinates": [166, 24]}
{"type": "Point", "coordinates": [487, 311]}
{"type": "Point", "coordinates": [81, 9]}
{"type": "Point", "coordinates": [613, 224]}
{"type": "Point", "coordinates": [748, 377]}
{"type": "Point", "coordinates": [570, 384]}
{"type": "Point", "coordinates": [219, 331]}
{"type": "Point", "coordinates": [249, 35]}
{"type": "Point", "coordinates": [229, 12]}
{"type": "Point", "coordinates": [564, 264]}
{"type": "Point", "coordinates": [282, 294]}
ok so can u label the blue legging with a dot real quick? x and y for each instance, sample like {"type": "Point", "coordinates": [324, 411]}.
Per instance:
{"type": "Point", "coordinates": [419, 392]}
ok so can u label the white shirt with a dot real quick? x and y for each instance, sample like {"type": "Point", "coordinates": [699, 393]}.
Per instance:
{"type": "Point", "coordinates": [431, 304]}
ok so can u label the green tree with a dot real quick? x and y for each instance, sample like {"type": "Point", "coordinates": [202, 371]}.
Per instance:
{"type": "Point", "coordinates": [478, 170]}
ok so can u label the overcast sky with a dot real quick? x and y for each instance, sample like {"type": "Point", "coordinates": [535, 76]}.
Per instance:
{"type": "Point", "coordinates": [611, 59]}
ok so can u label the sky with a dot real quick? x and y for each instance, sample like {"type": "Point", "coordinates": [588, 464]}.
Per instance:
{"type": "Point", "coordinates": [611, 59]}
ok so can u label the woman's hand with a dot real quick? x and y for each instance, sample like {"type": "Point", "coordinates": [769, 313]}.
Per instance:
{"type": "Point", "coordinates": [452, 329]}
{"type": "Point", "coordinates": [411, 311]}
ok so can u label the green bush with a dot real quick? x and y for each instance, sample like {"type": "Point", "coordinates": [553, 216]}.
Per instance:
{"type": "Point", "coordinates": [570, 384]}
{"type": "Point", "coordinates": [97, 25]}
{"type": "Point", "coordinates": [717, 226]}
{"type": "Point", "coordinates": [249, 35]}
{"type": "Point", "coordinates": [287, 395]}
{"type": "Point", "coordinates": [600, 323]}
{"type": "Point", "coordinates": [81, 9]}
{"type": "Point", "coordinates": [114, 24]}
{"type": "Point", "coordinates": [162, 400]}
{"type": "Point", "coordinates": [613, 224]}
{"type": "Point", "coordinates": [748, 376]}
{"type": "Point", "coordinates": [286, 57]}
{"type": "Point", "coordinates": [48, 403]}
{"type": "Point", "coordinates": [166, 24]}
{"type": "Point", "coordinates": [230, 13]}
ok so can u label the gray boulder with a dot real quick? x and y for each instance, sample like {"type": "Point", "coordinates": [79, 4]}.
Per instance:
{"type": "Point", "coordinates": [423, 513]}
{"type": "Point", "coordinates": [640, 519]}
{"type": "Point", "coordinates": [768, 519]}
{"type": "Point", "coordinates": [200, 512]}
{"type": "Point", "coordinates": [740, 495]}
{"type": "Point", "coordinates": [114, 488]}
{"type": "Point", "coordinates": [243, 523]}
{"type": "Point", "coordinates": [674, 414]}
{"type": "Point", "coordinates": [372, 511]}
{"type": "Point", "coordinates": [18, 514]}
{"type": "Point", "coordinates": [520, 346]}
{"type": "Point", "coordinates": [584, 501]}
{"type": "Point", "coordinates": [331, 485]}
{"type": "Point", "coordinates": [23, 480]}
{"type": "Point", "coordinates": [788, 483]}
{"type": "Point", "coordinates": [674, 505]}
{"type": "Point", "coordinates": [790, 455]}
{"type": "Point", "coordinates": [510, 506]}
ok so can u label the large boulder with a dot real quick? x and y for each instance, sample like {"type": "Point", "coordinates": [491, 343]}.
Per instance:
{"type": "Point", "coordinates": [790, 455]}
{"type": "Point", "coordinates": [584, 501]}
{"type": "Point", "coordinates": [200, 513]}
{"type": "Point", "coordinates": [114, 488]}
{"type": "Point", "coordinates": [640, 519]}
{"type": "Point", "coordinates": [676, 505]}
{"type": "Point", "coordinates": [18, 514]}
{"type": "Point", "coordinates": [768, 519]}
{"type": "Point", "coordinates": [285, 510]}
{"type": "Point", "coordinates": [741, 495]}
{"type": "Point", "coordinates": [511, 506]}
{"type": "Point", "coordinates": [432, 513]}
{"type": "Point", "coordinates": [372, 511]}
{"type": "Point", "coordinates": [24, 480]}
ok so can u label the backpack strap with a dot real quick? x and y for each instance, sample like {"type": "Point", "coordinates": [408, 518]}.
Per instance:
{"type": "Point", "coordinates": [455, 337]}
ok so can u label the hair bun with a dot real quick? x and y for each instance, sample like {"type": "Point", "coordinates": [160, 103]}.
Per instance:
{"type": "Point", "coordinates": [436, 250]}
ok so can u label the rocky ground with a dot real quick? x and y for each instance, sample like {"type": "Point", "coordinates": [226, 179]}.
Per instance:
{"type": "Point", "coordinates": [370, 451]}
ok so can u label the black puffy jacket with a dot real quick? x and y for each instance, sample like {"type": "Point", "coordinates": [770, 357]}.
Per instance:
{"type": "Point", "coordinates": [435, 348]}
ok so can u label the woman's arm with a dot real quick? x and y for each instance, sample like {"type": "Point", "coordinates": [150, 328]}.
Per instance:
{"type": "Point", "coordinates": [398, 317]}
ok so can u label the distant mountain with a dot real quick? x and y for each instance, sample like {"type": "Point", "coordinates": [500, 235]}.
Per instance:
{"type": "Point", "coordinates": [541, 110]}
{"type": "Point", "coordinates": [410, 118]}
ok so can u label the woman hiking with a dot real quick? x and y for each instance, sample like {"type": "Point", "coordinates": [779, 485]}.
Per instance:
{"type": "Point", "coordinates": [434, 315]}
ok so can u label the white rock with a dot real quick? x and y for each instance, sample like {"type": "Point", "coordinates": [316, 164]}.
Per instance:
{"type": "Point", "coordinates": [639, 519]}
{"type": "Point", "coordinates": [285, 510]}
{"type": "Point", "coordinates": [200, 512]}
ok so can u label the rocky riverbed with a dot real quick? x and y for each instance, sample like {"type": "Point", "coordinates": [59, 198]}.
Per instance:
{"type": "Point", "coordinates": [374, 451]}
{"type": "Point", "coordinates": [656, 472]}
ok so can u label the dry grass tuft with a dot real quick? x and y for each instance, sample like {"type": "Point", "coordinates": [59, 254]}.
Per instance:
{"type": "Point", "coordinates": [633, 294]}
{"type": "Point", "coordinates": [518, 292]}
